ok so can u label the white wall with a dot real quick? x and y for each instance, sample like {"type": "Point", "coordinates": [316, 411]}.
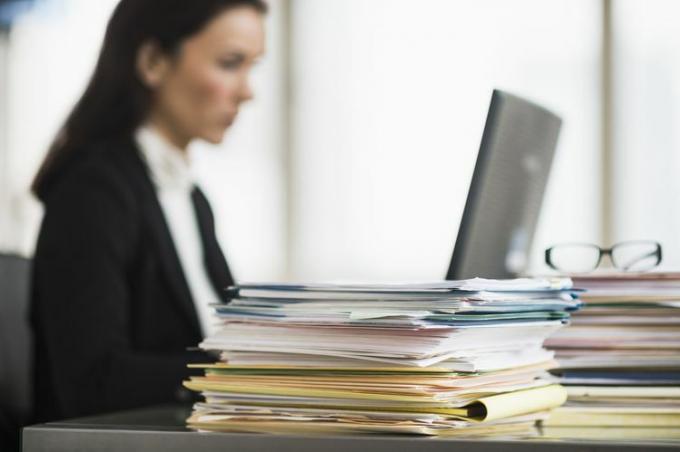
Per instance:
{"type": "Point", "coordinates": [4, 182]}
{"type": "Point", "coordinates": [244, 177]}
{"type": "Point", "coordinates": [51, 53]}
{"type": "Point", "coordinates": [647, 123]}
{"type": "Point", "coordinates": [390, 101]}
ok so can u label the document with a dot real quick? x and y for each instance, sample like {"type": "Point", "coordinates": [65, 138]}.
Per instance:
{"type": "Point", "coordinates": [436, 358]}
{"type": "Point", "coordinates": [619, 359]}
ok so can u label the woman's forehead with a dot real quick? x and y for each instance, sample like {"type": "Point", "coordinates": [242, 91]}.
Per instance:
{"type": "Point", "coordinates": [237, 30]}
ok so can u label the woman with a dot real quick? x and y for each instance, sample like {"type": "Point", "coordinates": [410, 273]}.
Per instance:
{"type": "Point", "coordinates": [127, 261]}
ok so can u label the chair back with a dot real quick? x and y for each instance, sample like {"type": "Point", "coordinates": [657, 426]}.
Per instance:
{"type": "Point", "coordinates": [16, 347]}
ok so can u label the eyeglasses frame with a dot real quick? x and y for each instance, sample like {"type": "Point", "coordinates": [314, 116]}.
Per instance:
{"type": "Point", "coordinates": [606, 252]}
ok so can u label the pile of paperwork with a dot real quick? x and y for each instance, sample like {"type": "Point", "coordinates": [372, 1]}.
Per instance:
{"type": "Point", "coordinates": [620, 357]}
{"type": "Point", "coordinates": [445, 358]}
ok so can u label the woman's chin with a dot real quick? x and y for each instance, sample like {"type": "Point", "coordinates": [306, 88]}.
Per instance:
{"type": "Point", "coordinates": [214, 137]}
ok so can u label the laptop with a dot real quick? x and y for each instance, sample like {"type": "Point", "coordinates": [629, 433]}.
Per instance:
{"type": "Point", "coordinates": [503, 204]}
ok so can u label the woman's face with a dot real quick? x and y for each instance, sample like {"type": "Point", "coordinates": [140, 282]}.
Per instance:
{"type": "Point", "coordinates": [202, 88]}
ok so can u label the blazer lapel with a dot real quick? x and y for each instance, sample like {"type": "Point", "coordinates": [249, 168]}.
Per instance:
{"type": "Point", "coordinates": [157, 223]}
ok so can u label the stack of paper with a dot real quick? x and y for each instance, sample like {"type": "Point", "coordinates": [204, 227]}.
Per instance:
{"type": "Point", "coordinates": [457, 357]}
{"type": "Point", "coordinates": [620, 357]}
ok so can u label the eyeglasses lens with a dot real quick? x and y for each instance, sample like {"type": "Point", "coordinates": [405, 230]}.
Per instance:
{"type": "Point", "coordinates": [575, 258]}
{"type": "Point", "coordinates": [635, 256]}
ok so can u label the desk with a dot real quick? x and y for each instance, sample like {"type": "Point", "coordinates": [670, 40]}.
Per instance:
{"type": "Point", "coordinates": [162, 429]}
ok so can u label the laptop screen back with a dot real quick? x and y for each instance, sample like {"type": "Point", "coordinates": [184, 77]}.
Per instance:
{"type": "Point", "coordinates": [503, 204]}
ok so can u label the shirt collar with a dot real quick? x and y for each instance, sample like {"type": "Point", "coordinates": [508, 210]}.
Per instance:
{"type": "Point", "coordinates": [169, 166]}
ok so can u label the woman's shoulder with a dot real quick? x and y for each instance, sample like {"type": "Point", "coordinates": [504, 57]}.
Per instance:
{"type": "Point", "coordinates": [108, 170]}
{"type": "Point", "coordinates": [92, 206]}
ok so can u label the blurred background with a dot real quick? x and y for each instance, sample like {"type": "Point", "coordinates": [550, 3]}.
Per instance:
{"type": "Point", "coordinates": [354, 160]}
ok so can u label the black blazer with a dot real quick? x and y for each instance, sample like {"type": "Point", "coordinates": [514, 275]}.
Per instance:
{"type": "Point", "coordinates": [111, 309]}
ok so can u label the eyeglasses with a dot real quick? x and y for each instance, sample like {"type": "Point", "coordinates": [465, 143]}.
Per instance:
{"type": "Point", "coordinates": [630, 256]}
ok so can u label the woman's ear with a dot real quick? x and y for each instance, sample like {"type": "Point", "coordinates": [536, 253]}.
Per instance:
{"type": "Point", "coordinates": [152, 64]}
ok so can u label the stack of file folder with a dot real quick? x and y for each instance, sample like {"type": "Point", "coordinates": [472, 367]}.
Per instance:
{"type": "Point", "coordinates": [447, 358]}
{"type": "Point", "coordinates": [620, 357]}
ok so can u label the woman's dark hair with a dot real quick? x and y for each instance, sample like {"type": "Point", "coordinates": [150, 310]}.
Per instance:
{"type": "Point", "coordinates": [116, 101]}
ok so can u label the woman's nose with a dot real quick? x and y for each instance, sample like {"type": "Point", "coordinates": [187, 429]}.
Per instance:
{"type": "Point", "coordinates": [246, 92]}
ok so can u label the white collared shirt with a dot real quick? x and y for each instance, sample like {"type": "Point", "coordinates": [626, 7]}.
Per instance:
{"type": "Point", "coordinates": [170, 171]}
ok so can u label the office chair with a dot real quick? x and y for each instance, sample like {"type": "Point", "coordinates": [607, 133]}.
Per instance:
{"type": "Point", "coordinates": [16, 350]}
